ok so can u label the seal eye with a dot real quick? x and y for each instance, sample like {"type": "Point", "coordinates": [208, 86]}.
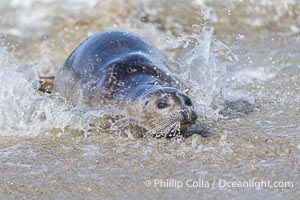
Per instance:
{"type": "Point", "coordinates": [188, 102]}
{"type": "Point", "coordinates": [162, 105]}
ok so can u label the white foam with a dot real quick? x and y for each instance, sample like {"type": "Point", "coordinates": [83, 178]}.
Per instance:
{"type": "Point", "coordinates": [21, 107]}
{"type": "Point", "coordinates": [260, 74]}
{"type": "Point", "coordinates": [23, 111]}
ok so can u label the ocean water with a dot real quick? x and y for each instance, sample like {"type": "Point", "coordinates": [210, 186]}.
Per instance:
{"type": "Point", "coordinates": [223, 50]}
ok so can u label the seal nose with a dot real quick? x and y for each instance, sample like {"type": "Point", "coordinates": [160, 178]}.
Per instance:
{"type": "Point", "coordinates": [194, 116]}
{"type": "Point", "coordinates": [189, 117]}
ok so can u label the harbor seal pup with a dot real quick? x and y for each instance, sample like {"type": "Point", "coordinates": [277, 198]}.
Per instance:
{"type": "Point", "coordinates": [116, 69]}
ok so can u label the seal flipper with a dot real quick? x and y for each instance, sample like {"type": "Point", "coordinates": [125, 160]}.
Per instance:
{"type": "Point", "coordinates": [197, 129]}
{"type": "Point", "coordinates": [237, 108]}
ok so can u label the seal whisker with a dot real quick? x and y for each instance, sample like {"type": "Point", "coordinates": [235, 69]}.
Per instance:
{"type": "Point", "coordinates": [170, 130]}
{"type": "Point", "coordinates": [163, 129]}
{"type": "Point", "coordinates": [162, 123]}
{"type": "Point", "coordinates": [159, 127]}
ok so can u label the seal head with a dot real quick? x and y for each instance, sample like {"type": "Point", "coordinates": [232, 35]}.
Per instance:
{"type": "Point", "coordinates": [166, 111]}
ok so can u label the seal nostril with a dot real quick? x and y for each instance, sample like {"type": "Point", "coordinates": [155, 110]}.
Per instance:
{"type": "Point", "coordinates": [188, 102]}
{"type": "Point", "coordinates": [194, 116]}
{"type": "Point", "coordinates": [186, 117]}
{"type": "Point", "coordinates": [183, 116]}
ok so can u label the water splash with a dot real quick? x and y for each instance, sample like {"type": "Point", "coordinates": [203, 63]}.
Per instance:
{"type": "Point", "coordinates": [23, 111]}
{"type": "Point", "coordinates": [202, 69]}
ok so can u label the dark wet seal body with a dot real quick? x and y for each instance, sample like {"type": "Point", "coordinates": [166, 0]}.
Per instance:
{"type": "Point", "coordinates": [122, 70]}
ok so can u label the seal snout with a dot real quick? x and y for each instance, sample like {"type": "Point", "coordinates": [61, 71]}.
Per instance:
{"type": "Point", "coordinates": [188, 117]}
